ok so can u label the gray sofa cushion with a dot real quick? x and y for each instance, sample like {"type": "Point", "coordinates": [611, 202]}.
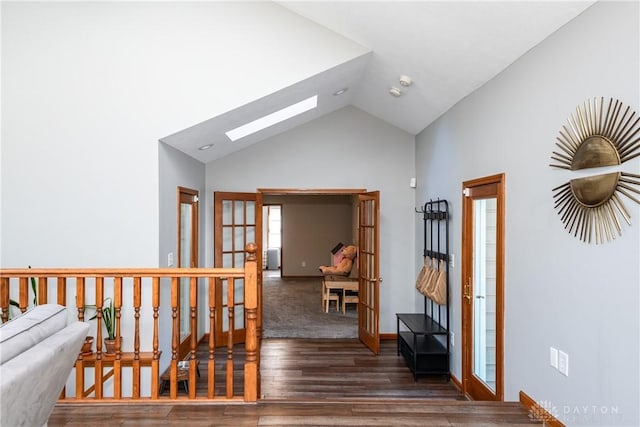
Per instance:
{"type": "Point", "coordinates": [31, 382]}
{"type": "Point", "coordinates": [30, 328]}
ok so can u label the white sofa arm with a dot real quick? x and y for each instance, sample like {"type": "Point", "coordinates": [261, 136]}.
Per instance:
{"type": "Point", "coordinates": [31, 382]}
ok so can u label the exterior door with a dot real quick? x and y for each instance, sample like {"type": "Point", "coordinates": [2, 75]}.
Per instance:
{"type": "Point", "coordinates": [369, 280]}
{"type": "Point", "coordinates": [483, 288]}
{"type": "Point", "coordinates": [237, 221]}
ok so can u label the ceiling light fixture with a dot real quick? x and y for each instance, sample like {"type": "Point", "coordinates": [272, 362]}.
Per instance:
{"type": "Point", "coordinates": [394, 91]}
{"type": "Point", "coordinates": [406, 81]}
{"type": "Point", "coordinates": [273, 118]}
{"type": "Point", "coordinates": [205, 147]}
{"type": "Point", "coordinates": [341, 91]}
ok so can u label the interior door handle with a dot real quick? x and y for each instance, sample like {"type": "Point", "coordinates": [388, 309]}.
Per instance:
{"type": "Point", "coordinates": [467, 290]}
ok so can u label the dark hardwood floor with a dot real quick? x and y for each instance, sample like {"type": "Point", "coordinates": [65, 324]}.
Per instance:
{"type": "Point", "coordinates": [317, 383]}
{"type": "Point", "coordinates": [343, 369]}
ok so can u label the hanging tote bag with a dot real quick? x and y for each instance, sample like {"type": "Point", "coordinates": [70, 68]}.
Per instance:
{"type": "Point", "coordinates": [439, 290]}
{"type": "Point", "coordinates": [429, 277]}
{"type": "Point", "coordinates": [422, 276]}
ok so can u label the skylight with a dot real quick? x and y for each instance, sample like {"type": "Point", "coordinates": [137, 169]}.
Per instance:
{"type": "Point", "coordinates": [273, 118]}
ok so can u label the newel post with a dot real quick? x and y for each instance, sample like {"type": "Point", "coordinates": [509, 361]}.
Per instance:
{"type": "Point", "coordinates": [251, 312]}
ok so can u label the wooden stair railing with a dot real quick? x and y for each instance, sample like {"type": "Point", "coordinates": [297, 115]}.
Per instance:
{"type": "Point", "coordinates": [136, 295]}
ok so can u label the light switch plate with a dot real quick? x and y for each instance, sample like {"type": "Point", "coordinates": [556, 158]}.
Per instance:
{"type": "Point", "coordinates": [563, 363]}
{"type": "Point", "coordinates": [553, 357]}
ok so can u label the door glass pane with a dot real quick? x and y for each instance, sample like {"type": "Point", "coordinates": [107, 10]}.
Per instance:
{"type": "Point", "coordinates": [227, 214]}
{"type": "Point", "coordinates": [251, 235]}
{"type": "Point", "coordinates": [238, 260]}
{"type": "Point", "coordinates": [238, 316]}
{"type": "Point", "coordinates": [185, 262]}
{"type": "Point", "coordinates": [225, 283]}
{"type": "Point", "coordinates": [238, 239]}
{"type": "Point", "coordinates": [251, 212]}
{"type": "Point", "coordinates": [185, 234]}
{"type": "Point", "coordinates": [227, 260]}
{"type": "Point", "coordinates": [225, 319]}
{"type": "Point", "coordinates": [238, 207]}
{"type": "Point", "coordinates": [484, 290]}
{"type": "Point", "coordinates": [238, 294]}
{"type": "Point", "coordinates": [227, 239]}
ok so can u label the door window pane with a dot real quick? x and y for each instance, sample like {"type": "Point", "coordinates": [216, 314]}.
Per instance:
{"type": "Point", "coordinates": [227, 213]}
{"type": "Point", "coordinates": [484, 290]}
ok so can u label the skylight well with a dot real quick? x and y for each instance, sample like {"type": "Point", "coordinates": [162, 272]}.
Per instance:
{"type": "Point", "coordinates": [273, 118]}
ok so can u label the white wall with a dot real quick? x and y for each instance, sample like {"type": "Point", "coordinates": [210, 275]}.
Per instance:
{"type": "Point", "coordinates": [90, 87]}
{"type": "Point", "coordinates": [345, 149]}
{"type": "Point", "coordinates": [560, 292]}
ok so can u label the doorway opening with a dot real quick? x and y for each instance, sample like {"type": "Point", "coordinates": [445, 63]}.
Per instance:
{"type": "Point", "coordinates": [302, 237]}
{"type": "Point", "coordinates": [238, 218]}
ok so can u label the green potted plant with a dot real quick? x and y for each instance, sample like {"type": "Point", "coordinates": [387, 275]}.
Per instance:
{"type": "Point", "coordinates": [109, 320]}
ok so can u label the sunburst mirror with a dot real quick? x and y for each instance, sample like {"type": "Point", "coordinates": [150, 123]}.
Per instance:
{"type": "Point", "coordinates": [597, 135]}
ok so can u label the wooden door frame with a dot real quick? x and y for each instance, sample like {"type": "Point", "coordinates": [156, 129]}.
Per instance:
{"type": "Point", "coordinates": [467, 248]}
{"type": "Point", "coordinates": [307, 192]}
{"type": "Point", "coordinates": [195, 219]}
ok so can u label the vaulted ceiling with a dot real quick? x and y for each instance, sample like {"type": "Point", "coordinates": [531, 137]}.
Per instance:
{"type": "Point", "coordinates": [447, 48]}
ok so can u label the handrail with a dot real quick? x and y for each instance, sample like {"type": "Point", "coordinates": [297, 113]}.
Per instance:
{"type": "Point", "coordinates": [78, 288]}
{"type": "Point", "coordinates": [111, 272]}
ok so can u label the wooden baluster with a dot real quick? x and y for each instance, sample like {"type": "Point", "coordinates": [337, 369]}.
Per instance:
{"type": "Point", "coordinates": [98, 371]}
{"type": "Point", "coordinates": [251, 371]}
{"type": "Point", "coordinates": [193, 304]}
{"type": "Point", "coordinates": [155, 363]}
{"type": "Point", "coordinates": [61, 292]}
{"type": "Point", "coordinates": [211, 367]}
{"type": "Point", "coordinates": [42, 296]}
{"type": "Point", "coordinates": [175, 340]}
{"type": "Point", "coordinates": [230, 308]}
{"type": "Point", "coordinates": [251, 382]}
{"type": "Point", "coordinates": [117, 363]}
{"type": "Point", "coordinates": [23, 293]}
{"type": "Point", "coordinates": [80, 298]}
{"type": "Point", "coordinates": [4, 298]}
{"type": "Point", "coordinates": [79, 363]}
{"type": "Point", "coordinates": [137, 297]}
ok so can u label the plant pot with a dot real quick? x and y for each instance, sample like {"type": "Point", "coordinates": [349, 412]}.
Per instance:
{"type": "Point", "coordinates": [86, 346]}
{"type": "Point", "coordinates": [110, 347]}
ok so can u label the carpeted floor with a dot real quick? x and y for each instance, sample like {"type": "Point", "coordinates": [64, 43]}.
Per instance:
{"type": "Point", "coordinates": [292, 309]}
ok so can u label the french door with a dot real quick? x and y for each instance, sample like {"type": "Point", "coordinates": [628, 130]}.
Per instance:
{"type": "Point", "coordinates": [369, 279]}
{"type": "Point", "coordinates": [483, 288]}
{"type": "Point", "coordinates": [237, 221]}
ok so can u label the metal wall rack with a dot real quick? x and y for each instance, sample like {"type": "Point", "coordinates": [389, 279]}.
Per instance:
{"type": "Point", "coordinates": [423, 338]}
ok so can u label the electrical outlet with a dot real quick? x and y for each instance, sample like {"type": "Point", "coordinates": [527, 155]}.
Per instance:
{"type": "Point", "coordinates": [563, 363]}
{"type": "Point", "coordinates": [553, 357]}
{"type": "Point", "coordinates": [452, 339]}
{"type": "Point", "coordinates": [170, 259]}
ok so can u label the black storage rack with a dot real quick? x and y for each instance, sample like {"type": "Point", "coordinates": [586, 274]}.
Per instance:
{"type": "Point", "coordinates": [423, 338]}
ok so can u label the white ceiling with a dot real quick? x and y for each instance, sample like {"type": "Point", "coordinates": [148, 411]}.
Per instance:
{"type": "Point", "coordinates": [448, 48]}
